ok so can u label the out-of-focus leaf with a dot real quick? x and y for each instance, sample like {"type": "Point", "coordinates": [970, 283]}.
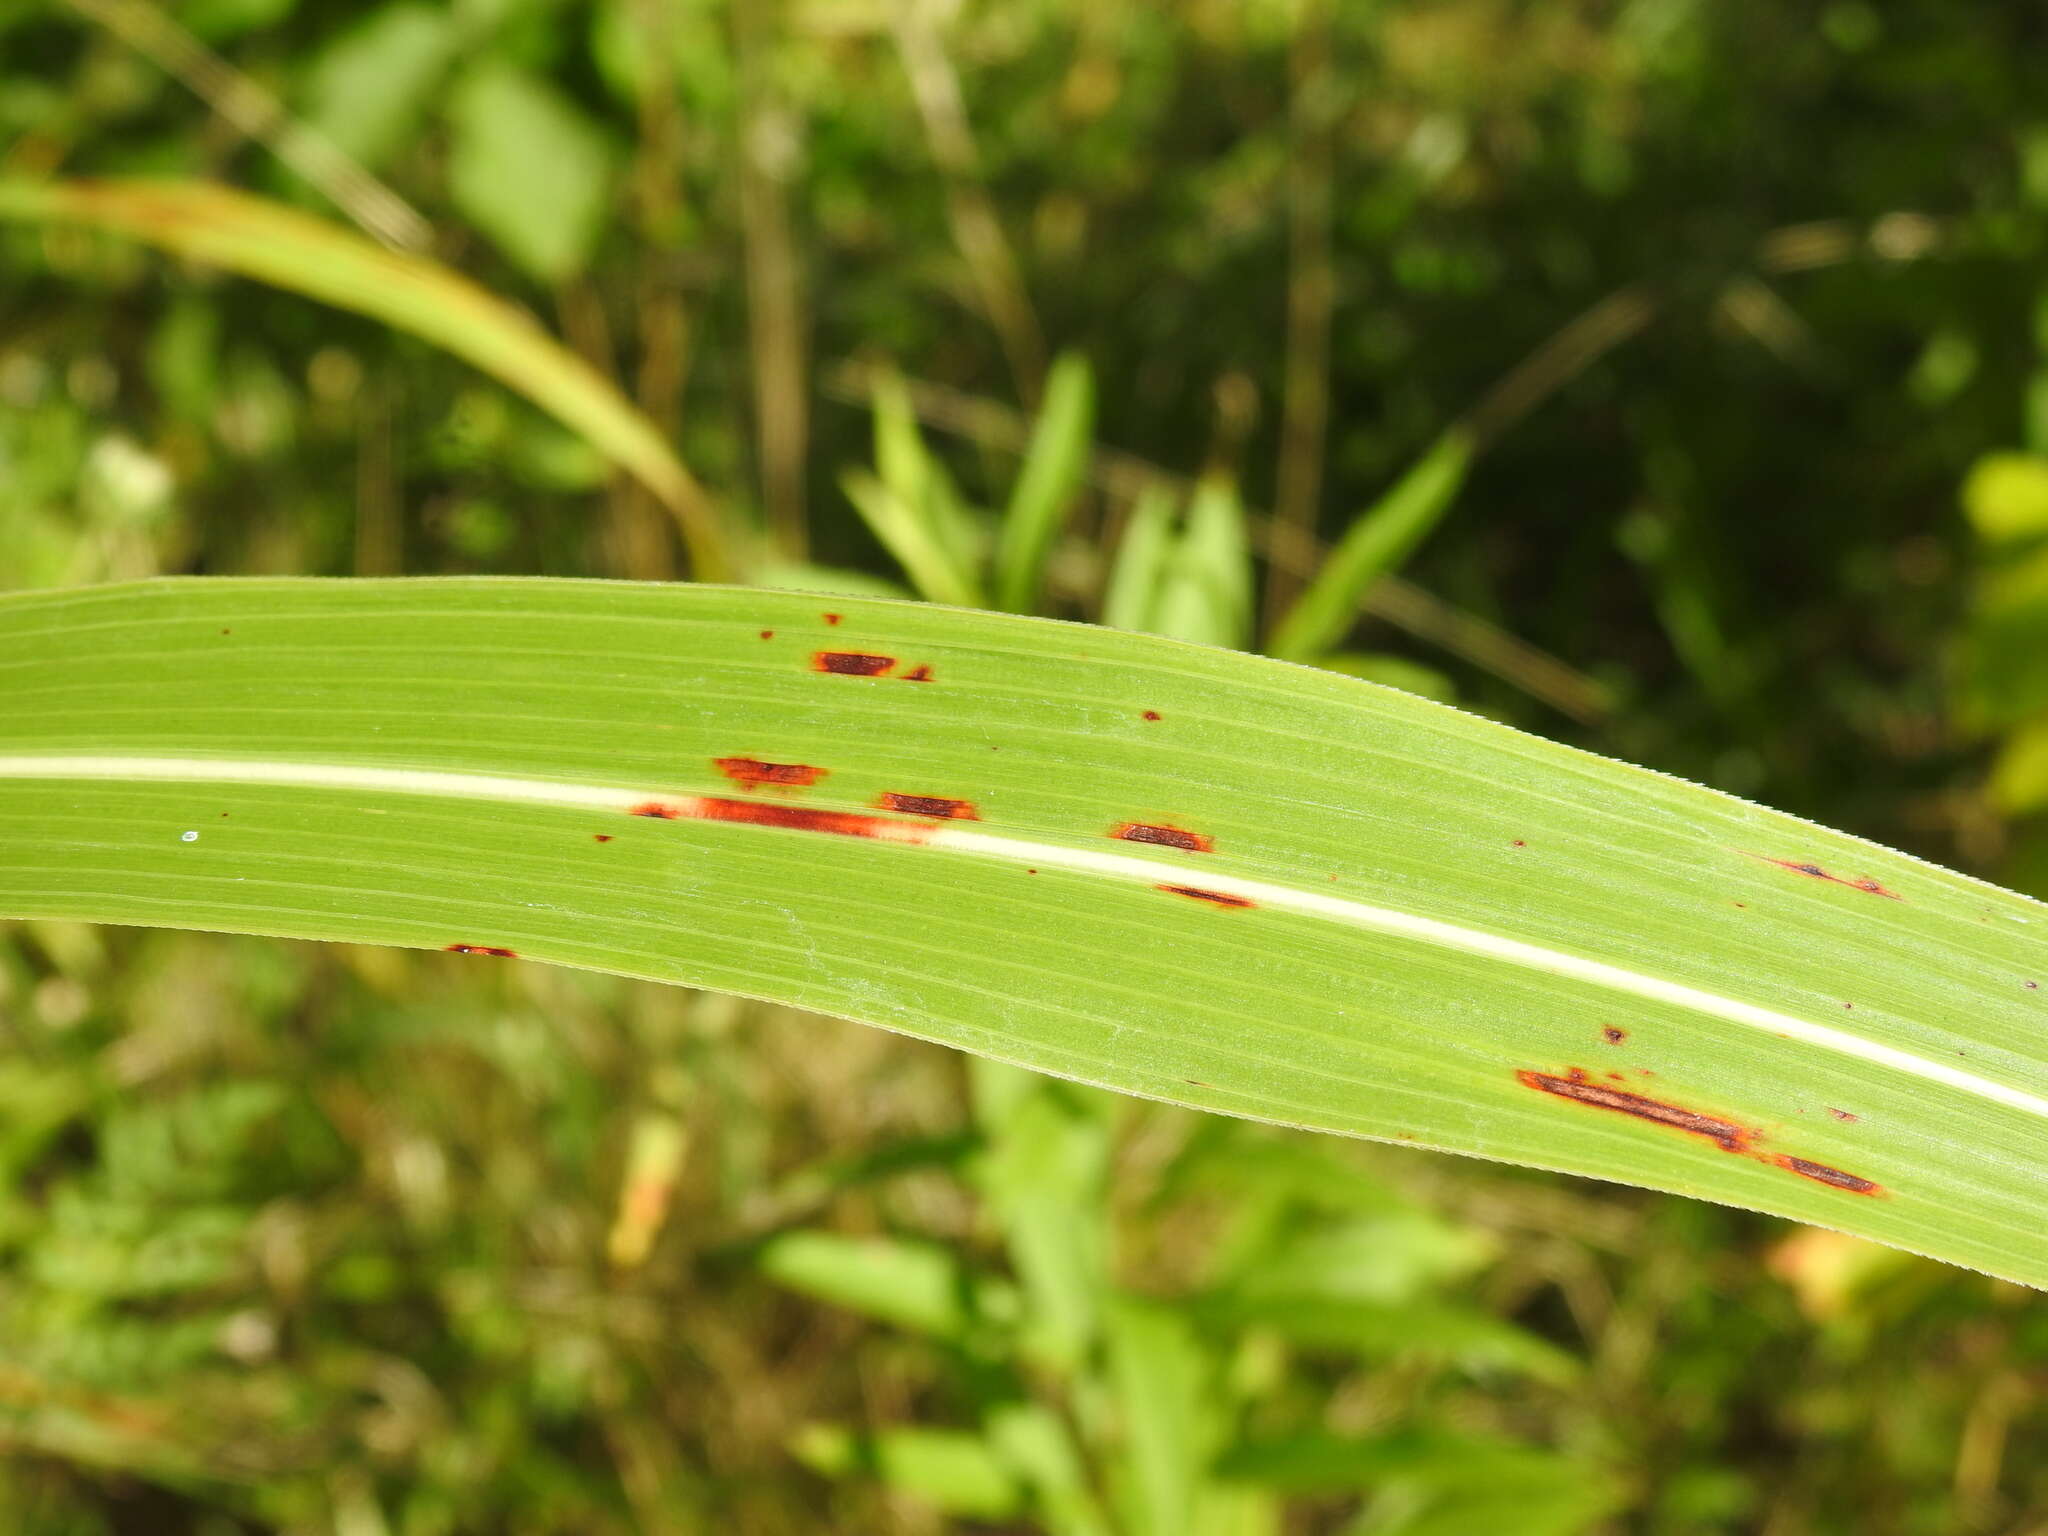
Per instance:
{"type": "Point", "coordinates": [1414, 1328]}
{"type": "Point", "coordinates": [1317, 1463]}
{"type": "Point", "coordinates": [910, 537]}
{"type": "Point", "coordinates": [797, 576]}
{"type": "Point", "coordinates": [1166, 1403]}
{"type": "Point", "coordinates": [1035, 1444]}
{"type": "Point", "coordinates": [2006, 497]}
{"type": "Point", "coordinates": [2019, 774]}
{"type": "Point", "coordinates": [949, 1469]}
{"type": "Point", "coordinates": [1051, 474]}
{"type": "Point", "coordinates": [528, 168]}
{"type": "Point", "coordinates": [918, 1286]}
{"type": "Point", "coordinates": [1377, 542]}
{"type": "Point", "coordinates": [289, 249]}
{"type": "Point", "coordinates": [1132, 595]}
{"type": "Point", "coordinates": [1206, 595]}
{"type": "Point", "coordinates": [1043, 1174]}
{"type": "Point", "coordinates": [366, 89]}
{"type": "Point", "coordinates": [920, 481]}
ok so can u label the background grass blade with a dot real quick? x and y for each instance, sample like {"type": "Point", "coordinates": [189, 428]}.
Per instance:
{"type": "Point", "coordinates": [1376, 543]}
{"type": "Point", "coordinates": [1172, 870]}
{"type": "Point", "coordinates": [1051, 473]}
{"type": "Point", "coordinates": [286, 248]}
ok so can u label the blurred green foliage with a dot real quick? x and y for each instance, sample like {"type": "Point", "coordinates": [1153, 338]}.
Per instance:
{"type": "Point", "coordinates": [1686, 361]}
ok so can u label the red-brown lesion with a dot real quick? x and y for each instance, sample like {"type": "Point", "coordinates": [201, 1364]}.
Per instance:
{"type": "Point", "coordinates": [1578, 1085]}
{"type": "Point", "coordinates": [752, 772]}
{"type": "Point", "coordinates": [937, 806]}
{"type": "Point", "coordinates": [1164, 837]}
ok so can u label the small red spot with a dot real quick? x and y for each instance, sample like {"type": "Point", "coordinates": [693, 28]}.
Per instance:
{"type": "Point", "coordinates": [1152, 714]}
{"type": "Point", "coordinates": [852, 663]}
{"type": "Point", "coordinates": [1854, 1183]}
{"type": "Point", "coordinates": [1518, 843]}
{"type": "Point", "coordinates": [1815, 872]}
{"type": "Point", "coordinates": [803, 819]}
{"type": "Point", "coordinates": [929, 805]}
{"type": "Point", "coordinates": [918, 674]}
{"type": "Point", "coordinates": [1164, 837]}
{"type": "Point", "coordinates": [767, 634]}
{"type": "Point", "coordinates": [831, 618]}
{"type": "Point", "coordinates": [1612, 1035]}
{"type": "Point", "coordinates": [481, 949]}
{"type": "Point", "coordinates": [1843, 1114]}
{"type": "Point", "coordinates": [227, 631]}
{"type": "Point", "coordinates": [2031, 986]}
{"type": "Point", "coordinates": [602, 837]}
{"type": "Point", "coordinates": [660, 808]}
{"type": "Point", "coordinates": [1215, 898]}
{"type": "Point", "coordinates": [752, 773]}
{"type": "Point", "coordinates": [1030, 871]}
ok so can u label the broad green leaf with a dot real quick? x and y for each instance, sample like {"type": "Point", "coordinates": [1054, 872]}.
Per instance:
{"type": "Point", "coordinates": [1181, 872]}
{"type": "Point", "coordinates": [1051, 474]}
{"type": "Point", "coordinates": [1378, 541]}
{"type": "Point", "coordinates": [279, 245]}
{"type": "Point", "coordinates": [367, 88]}
{"type": "Point", "coordinates": [529, 169]}
{"type": "Point", "coordinates": [1168, 1409]}
{"type": "Point", "coordinates": [952, 1470]}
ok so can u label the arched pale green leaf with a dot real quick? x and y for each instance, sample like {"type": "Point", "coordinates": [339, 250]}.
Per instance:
{"type": "Point", "coordinates": [1181, 872]}
{"type": "Point", "coordinates": [282, 246]}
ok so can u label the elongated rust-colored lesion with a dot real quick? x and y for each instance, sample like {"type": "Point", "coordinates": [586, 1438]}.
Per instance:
{"type": "Point", "coordinates": [752, 772]}
{"type": "Point", "coordinates": [1856, 1184]}
{"type": "Point", "coordinates": [1214, 898]}
{"type": "Point", "coordinates": [1164, 837]}
{"type": "Point", "coordinates": [852, 663]}
{"type": "Point", "coordinates": [664, 810]}
{"type": "Point", "coordinates": [804, 819]}
{"type": "Point", "coordinates": [1577, 1085]}
{"type": "Point", "coordinates": [929, 805]}
{"type": "Point", "coordinates": [482, 949]}
{"type": "Point", "coordinates": [1814, 872]}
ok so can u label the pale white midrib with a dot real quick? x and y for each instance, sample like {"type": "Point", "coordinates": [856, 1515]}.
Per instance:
{"type": "Point", "coordinates": [963, 839]}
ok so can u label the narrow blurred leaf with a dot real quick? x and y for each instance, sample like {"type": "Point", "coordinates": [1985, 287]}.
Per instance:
{"type": "Point", "coordinates": [948, 1469]}
{"type": "Point", "coordinates": [1206, 595]}
{"type": "Point", "coordinates": [1132, 596]}
{"type": "Point", "coordinates": [1382, 537]}
{"type": "Point", "coordinates": [1043, 1175]}
{"type": "Point", "coordinates": [289, 249]}
{"type": "Point", "coordinates": [1046, 484]}
{"type": "Point", "coordinates": [910, 538]}
{"type": "Point", "coordinates": [918, 1286]}
{"type": "Point", "coordinates": [1166, 1401]}
{"type": "Point", "coordinates": [528, 169]}
{"type": "Point", "coordinates": [920, 481]}
{"type": "Point", "coordinates": [1415, 1328]}
{"type": "Point", "coordinates": [1316, 1463]}
{"type": "Point", "coordinates": [1035, 1444]}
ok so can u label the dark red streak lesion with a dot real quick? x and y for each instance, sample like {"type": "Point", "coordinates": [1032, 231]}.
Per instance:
{"type": "Point", "coordinates": [752, 772]}
{"type": "Point", "coordinates": [1214, 898]}
{"type": "Point", "coordinates": [1815, 872]}
{"type": "Point", "coordinates": [482, 949]}
{"type": "Point", "coordinates": [1164, 837]}
{"type": "Point", "coordinates": [1854, 1183]}
{"type": "Point", "coordinates": [664, 809]}
{"type": "Point", "coordinates": [804, 819]}
{"type": "Point", "coordinates": [1729, 1136]}
{"type": "Point", "coordinates": [1725, 1134]}
{"type": "Point", "coordinates": [918, 674]}
{"type": "Point", "coordinates": [929, 805]}
{"type": "Point", "coordinates": [852, 663]}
